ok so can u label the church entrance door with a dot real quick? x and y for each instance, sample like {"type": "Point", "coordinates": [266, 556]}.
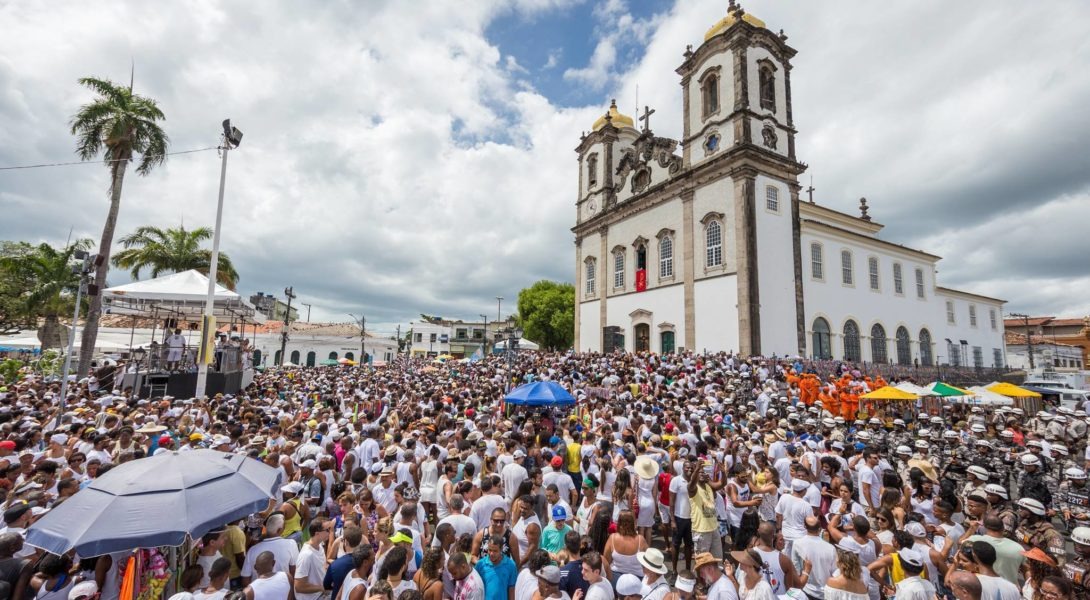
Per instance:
{"type": "Point", "coordinates": [642, 333]}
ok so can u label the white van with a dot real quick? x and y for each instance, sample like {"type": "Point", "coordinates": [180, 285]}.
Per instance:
{"type": "Point", "coordinates": [1069, 398]}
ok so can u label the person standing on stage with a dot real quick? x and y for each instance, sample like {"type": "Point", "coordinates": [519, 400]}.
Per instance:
{"type": "Point", "coordinates": [175, 349]}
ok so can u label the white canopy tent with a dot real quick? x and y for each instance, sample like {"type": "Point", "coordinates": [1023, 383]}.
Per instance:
{"type": "Point", "coordinates": [987, 397]}
{"type": "Point", "coordinates": [177, 295]}
{"type": "Point", "coordinates": [31, 343]}
{"type": "Point", "coordinates": [524, 344]}
{"type": "Point", "coordinates": [907, 386]}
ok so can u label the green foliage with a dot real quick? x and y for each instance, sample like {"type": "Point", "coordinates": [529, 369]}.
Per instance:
{"type": "Point", "coordinates": [9, 370]}
{"type": "Point", "coordinates": [172, 251]}
{"type": "Point", "coordinates": [36, 282]}
{"type": "Point", "coordinates": [119, 123]}
{"type": "Point", "coordinates": [547, 314]}
{"type": "Point", "coordinates": [49, 363]}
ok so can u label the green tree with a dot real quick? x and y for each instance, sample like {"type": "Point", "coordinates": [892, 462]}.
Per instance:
{"type": "Point", "coordinates": [119, 125]}
{"type": "Point", "coordinates": [49, 286]}
{"type": "Point", "coordinates": [14, 281]}
{"type": "Point", "coordinates": [547, 314]}
{"type": "Point", "coordinates": [172, 251]}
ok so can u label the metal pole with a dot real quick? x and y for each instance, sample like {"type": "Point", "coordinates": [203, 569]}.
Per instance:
{"type": "Point", "coordinates": [68, 355]}
{"type": "Point", "coordinates": [308, 310]}
{"type": "Point", "coordinates": [499, 302]}
{"type": "Point", "coordinates": [484, 336]}
{"type": "Point", "coordinates": [289, 292]}
{"type": "Point", "coordinates": [210, 299]}
{"type": "Point", "coordinates": [363, 339]}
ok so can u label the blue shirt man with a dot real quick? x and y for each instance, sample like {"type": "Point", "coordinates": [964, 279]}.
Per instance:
{"type": "Point", "coordinates": [498, 572]}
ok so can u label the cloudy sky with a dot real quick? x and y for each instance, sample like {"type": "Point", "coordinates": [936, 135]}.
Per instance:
{"type": "Point", "coordinates": [416, 156]}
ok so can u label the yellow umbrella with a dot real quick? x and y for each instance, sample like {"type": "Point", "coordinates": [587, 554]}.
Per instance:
{"type": "Point", "coordinates": [1012, 391]}
{"type": "Point", "coordinates": [889, 393]}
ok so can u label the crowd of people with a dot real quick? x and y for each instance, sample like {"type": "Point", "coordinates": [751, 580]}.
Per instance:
{"type": "Point", "coordinates": [710, 476]}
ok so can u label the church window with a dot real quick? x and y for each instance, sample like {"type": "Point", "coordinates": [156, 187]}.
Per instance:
{"type": "Point", "coordinates": [592, 171]}
{"type": "Point", "coordinates": [925, 348]}
{"type": "Point", "coordinates": [822, 336]}
{"type": "Point", "coordinates": [950, 312]}
{"type": "Point", "coordinates": [872, 272]}
{"type": "Point", "coordinates": [772, 198]}
{"type": "Point", "coordinates": [591, 268]}
{"type": "Point", "coordinates": [972, 315]}
{"type": "Point", "coordinates": [709, 93]}
{"type": "Point", "coordinates": [641, 257]}
{"type": "Point", "coordinates": [852, 352]}
{"type": "Point", "coordinates": [618, 269]}
{"type": "Point", "coordinates": [878, 344]}
{"type": "Point", "coordinates": [919, 283]}
{"type": "Point", "coordinates": [898, 282]}
{"type": "Point", "coordinates": [295, 357]}
{"type": "Point", "coordinates": [847, 277]}
{"type": "Point", "coordinates": [713, 241]}
{"type": "Point", "coordinates": [953, 354]}
{"type": "Point", "coordinates": [992, 319]}
{"type": "Point", "coordinates": [997, 357]}
{"type": "Point", "coordinates": [711, 144]}
{"type": "Point", "coordinates": [666, 257]}
{"type": "Point", "coordinates": [978, 357]}
{"type": "Point", "coordinates": [768, 87]}
{"type": "Point", "coordinates": [904, 347]}
{"type": "Point", "coordinates": [817, 261]}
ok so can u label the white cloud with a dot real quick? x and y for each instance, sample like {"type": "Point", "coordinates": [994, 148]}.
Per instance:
{"type": "Point", "coordinates": [553, 59]}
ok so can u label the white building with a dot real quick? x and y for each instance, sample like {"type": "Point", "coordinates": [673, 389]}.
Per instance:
{"type": "Point", "coordinates": [713, 249]}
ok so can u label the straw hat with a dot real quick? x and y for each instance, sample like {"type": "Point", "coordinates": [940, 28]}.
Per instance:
{"type": "Point", "coordinates": [646, 467]}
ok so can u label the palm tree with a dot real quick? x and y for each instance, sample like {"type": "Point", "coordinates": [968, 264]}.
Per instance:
{"type": "Point", "coordinates": [173, 251]}
{"type": "Point", "coordinates": [119, 124]}
{"type": "Point", "coordinates": [52, 286]}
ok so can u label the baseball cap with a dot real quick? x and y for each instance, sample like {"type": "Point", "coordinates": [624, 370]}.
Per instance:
{"type": "Point", "coordinates": [910, 556]}
{"type": "Point", "coordinates": [83, 590]}
{"type": "Point", "coordinates": [560, 513]}
{"type": "Point", "coordinates": [292, 488]}
{"type": "Point", "coordinates": [915, 530]}
{"type": "Point", "coordinates": [630, 585]}
{"type": "Point", "coordinates": [557, 462]}
{"type": "Point", "coordinates": [400, 537]}
{"type": "Point", "coordinates": [550, 573]}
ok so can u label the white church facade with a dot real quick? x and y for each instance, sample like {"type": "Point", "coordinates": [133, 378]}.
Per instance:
{"type": "Point", "coordinates": [713, 249]}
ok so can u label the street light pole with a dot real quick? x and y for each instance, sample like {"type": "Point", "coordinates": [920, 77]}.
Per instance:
{"type": "Point", "coordinates": [232, 137]}
{"type": "Point", "coordinates": [308, 310]}
{"type": "Point", "coordinates": [484, 336]}
{"type": "Point", "coordinates": [499, 303]}
{"type": "Point", "coordinates": [284, 336]}
{"type": "Point", "coordinates": [362, 322]}
{"type": "Point", "coordinates": [79, 254]}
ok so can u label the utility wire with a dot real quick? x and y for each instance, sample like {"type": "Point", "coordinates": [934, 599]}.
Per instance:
{"type": "Point", "coordinates": [87, 162]}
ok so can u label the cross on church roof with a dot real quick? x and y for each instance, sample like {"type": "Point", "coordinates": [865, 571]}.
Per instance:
{"type": "Point", "coordinates": [646, 118]}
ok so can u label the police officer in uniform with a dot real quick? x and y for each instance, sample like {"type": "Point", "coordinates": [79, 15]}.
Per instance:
{"type": "Point", "coordinates": [1073, 497]}
{"type": "Point", "coordinates": [1077, 568]}
{"type": "Point", "coordinates": [1036, 530]}
{"type": "Point", "coordinates": [1032, 482]}
{"type": "Point", "coordinates": [999, 501]}
{"type": "Point", "coordinates": [985, 457]}
{"type": "Point", "coordinates": [955, 458]}
{"type": "Point", "coordinates": [976, 479]}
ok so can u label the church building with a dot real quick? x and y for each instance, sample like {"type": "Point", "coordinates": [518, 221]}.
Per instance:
{"type": "Point", "coordinates": [713, 249]}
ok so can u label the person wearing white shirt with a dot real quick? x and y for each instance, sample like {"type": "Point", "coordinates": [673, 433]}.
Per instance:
{"type": "Point", "coordinates": [870, 486]}
{"type": "Point", "coordinates": [720, 587]}
{"type": "Point", "coordinates": [284, 551]}
{"type": "Point", "coordinates": [913, 587]}
{"type": "Point", "coordinates": [311, 564]}
{"type": "Point", "coordinates": [599, 589]}
{"type": "Point", "coordinates": [814, 558]}
{"type": "Point", "coordinates": [792, 511]}
{"type": "Point", "coordinates": [513, 475]}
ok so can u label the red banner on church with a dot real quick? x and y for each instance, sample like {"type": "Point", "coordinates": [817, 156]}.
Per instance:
{"type": "Point", "coordinates": [641, 280]}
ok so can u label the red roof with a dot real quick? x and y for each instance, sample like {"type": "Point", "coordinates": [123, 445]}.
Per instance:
{"type": "Point", "coordinates": [1033, 321]}
{"type": "Point", "coordinates": [1015, 338]}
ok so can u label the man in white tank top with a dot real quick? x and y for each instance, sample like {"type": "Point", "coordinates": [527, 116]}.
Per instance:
{"type": "Point", "coordinates": [268, 585]}
{"type": "Point", "coordinates": [781, 571]}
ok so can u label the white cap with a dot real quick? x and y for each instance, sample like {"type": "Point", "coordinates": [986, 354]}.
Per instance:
{"type": "Point", "coordinates": [910, 556]}
{"type": "Point", "coordinates": [292, 488]}
{"type": "Point", "coordinates": [85, 589]}
{"type": "Point", "coordinates": [519, 454]}
{"type": "Point", "coordinates": [915, 530]}
{"type": "Point", "coordinates": [799, 485]}
{"type": "Point", "coordinates": [630, 585]}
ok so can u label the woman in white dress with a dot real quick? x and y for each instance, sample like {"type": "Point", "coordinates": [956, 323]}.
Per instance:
{"type": "Point", "coordinates": [847, 581]}
{"type": "Point", "coordinates": [752, 584]}
{"type": "Point", "coordinates": [429, 480]}
{"type": "Point", "coordinates": [647, 484]}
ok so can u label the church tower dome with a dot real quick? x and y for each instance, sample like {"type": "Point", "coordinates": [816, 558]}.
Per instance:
{"type": "Point", "coordinates": [732, 18]}
{"type": "Point", "coordinates": [615, 117]}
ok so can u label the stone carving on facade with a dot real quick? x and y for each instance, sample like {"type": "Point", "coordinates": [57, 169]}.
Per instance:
{"type": "Point", "coordinates": [636, 161]}
{"type": "Point", "coordinates": [768, 132]}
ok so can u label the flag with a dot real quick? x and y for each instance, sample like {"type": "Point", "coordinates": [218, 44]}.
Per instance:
{"type": "Point", "coordinates": [478, 354]}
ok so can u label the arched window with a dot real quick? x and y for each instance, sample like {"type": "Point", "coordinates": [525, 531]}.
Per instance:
{"type": "Point", "coordinates": [592, 171]}
{"type": "Point", "coordinates": [713, 242]}
{"type": "Point", "coordinates": [332, 356]}
{"type": "Point", "coordinates": [312, 358]}
{"type": "Point", "coordinates": [350, 355]}
{"type": "Point", "coordinates": [878, 353]}
{"type": "Point", "coordinates": [817, 261]}
{"type": "Point", "coordinates": [851, 342]}
{"type": "Point", "coordinates": [641, 256]}
{"type": "Point", "coordinates": [768, 87]}
{"type": "Point", "coordinates": [257, 358]}
{"type": "Point", "coordinates": [898, 280]}
{"type": "Point", "coordinates": [904, 347]}
{"type": "Point", "coordinates": [925, 348]}
{"type": "Point", "coordinates": [822, 345]}
{"type": "Point", "coordinates": [666, 257]}
{"type": "Point", "coordinates": [591, 271]}
{"type": "Point", "coordinates": [709, 94]}
{"type": "Point", "coordinates": [295, 357]}
{"type": "Point", "coordinates": [618, 269]}
{"type": "Point", "coordinates": [276, 358]}
{"type": "Point", "coordinates": [847, 276]}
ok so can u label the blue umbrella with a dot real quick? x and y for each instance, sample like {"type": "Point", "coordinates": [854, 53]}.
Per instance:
{"type": "Point", "coordinates": [540, 393]}
{"type": "Point", "coordinates": [157, 501]}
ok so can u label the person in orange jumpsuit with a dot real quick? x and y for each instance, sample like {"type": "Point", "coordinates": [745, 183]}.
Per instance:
{"type": "Point", "coordinates": [833, 403]}
{"type": "Point", "coordinates": [850, 405]}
